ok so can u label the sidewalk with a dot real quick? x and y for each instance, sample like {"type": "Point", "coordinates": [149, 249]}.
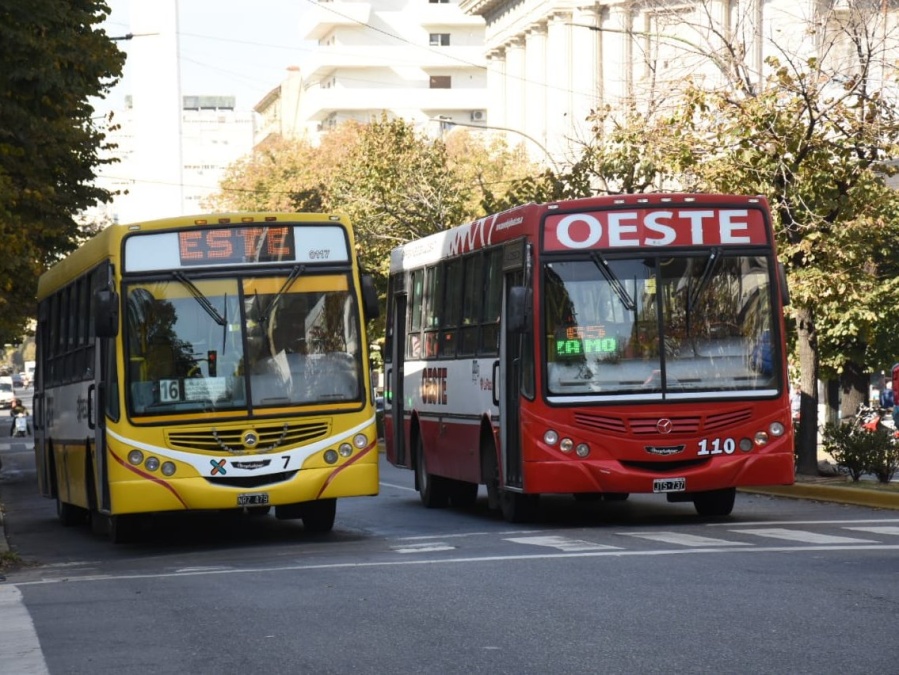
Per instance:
{"type": "Point", "coordinates": [839, 489]}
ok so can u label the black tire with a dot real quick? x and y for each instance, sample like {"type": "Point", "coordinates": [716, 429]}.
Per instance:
{"type": "Point", "coordinates": [69, 514]}
{"type": "Point", "coordinates": [318, 516]}
{"type": "Point", "coordinates": [518, 507]}
{"type": "Point", "coordinates": [433, 490]}
{"type": "Point", "coordinates": [715, 503]}
{"type": "Point", "coordinates": [490, 475]}
{"type": "Point", "coordinates": [463, 495]}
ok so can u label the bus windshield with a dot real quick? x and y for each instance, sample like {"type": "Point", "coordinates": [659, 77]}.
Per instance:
{"type": "Point", "coordinates": [241, 343]}
{"type": "Point", "coordinates": [669, 325]}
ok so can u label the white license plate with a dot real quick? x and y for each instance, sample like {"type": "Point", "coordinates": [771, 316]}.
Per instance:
{"type": "Point", "coordinates": [669, 485]}
{"type": "Point", "coordinates": [252, 499]}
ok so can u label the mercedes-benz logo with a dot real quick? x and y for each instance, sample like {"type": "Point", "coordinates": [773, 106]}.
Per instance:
{"type": "Point", "coordinates": [250, 439]}
{"type": "Point", "coordinates": [664, 425]}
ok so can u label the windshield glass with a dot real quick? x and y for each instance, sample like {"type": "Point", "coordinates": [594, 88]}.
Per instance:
{"type": "Point", "coordinates": [228, 344]}
{"type": "Point", "coordinates": [672, 325]}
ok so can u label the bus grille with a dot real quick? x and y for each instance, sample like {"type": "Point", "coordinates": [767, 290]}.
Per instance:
{"type": "Point", "coordinates": [642, 426]}
{"type": "Point", "coordinates": [666, 466]}
{"type": "Point", "coordinates": [251, 481]}
{"type": "Point", "coordinates": [270, 437]}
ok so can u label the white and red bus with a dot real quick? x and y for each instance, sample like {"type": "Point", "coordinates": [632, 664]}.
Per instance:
{"type": "Point", "coordinates": [596, 347]}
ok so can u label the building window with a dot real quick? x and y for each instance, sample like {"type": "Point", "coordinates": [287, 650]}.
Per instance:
{"type": "Point", "coordinates": [439, 39]}
{"type": "Point", "coordinates": [441, 82]}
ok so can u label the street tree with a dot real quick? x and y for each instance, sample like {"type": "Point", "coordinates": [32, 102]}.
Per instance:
{"type": "Point", "coordinates": [55, 62]}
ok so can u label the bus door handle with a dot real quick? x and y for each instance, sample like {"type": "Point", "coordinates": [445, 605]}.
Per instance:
{"type": "Point", "coordinates": [495, 387]}
{"type": "Point", "coordinates": [90, 406]}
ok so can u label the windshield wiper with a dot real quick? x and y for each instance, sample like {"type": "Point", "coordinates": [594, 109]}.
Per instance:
{"type": "Point", "coordinates": [202, 299]}
{"type": "Point", "coordinates": [707, 273]}
{"type": "Point", "coordinates": [603, 265]}
{"type": "Point", "coordinates": [294, 273]}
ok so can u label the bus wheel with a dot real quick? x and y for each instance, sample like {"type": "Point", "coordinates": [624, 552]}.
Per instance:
{"type": "Point", "coordinates": [69, 514]}
{"type": "Point", "coordinates": [433, 490]}
{"type": "Point", "coordinates": [490, 475]}
{"type": "Point", "coordinates": [462, 494]}
{"type": "Point", "coordinates": [119, 529]}
{"type": "Point", "coordinates": [318, 516]}
{"type": "Point", "coordinates": [519, 508]}
{"type": "Point", "coordinates": [715, 502]}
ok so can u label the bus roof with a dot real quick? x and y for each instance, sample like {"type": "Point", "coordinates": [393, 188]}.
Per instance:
{"type": "Point", "coordinates": [107, 244]}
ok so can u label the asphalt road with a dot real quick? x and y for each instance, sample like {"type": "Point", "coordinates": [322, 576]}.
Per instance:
{"type": "Point", "coordinates": [641, 586]}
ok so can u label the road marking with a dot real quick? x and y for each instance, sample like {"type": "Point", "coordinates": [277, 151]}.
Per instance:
{"type": "Point", "coordinates": [398, 487]}
{"type": "Point", "coordinates": [877, 529]}
{"type": "Point", "coordinates": [423, 548]}
{"type": "Point", "coordinates": [20, 649]}
{"type": "Point", "coordinates": [562, 543]}
{"type": "Point", "coordinates": [684, 539]}
{"type": "Point", "coordinates": [464, 534]}
{"type": "Point", "coordinates": [804, 536]}
{"type": "Point", "coordinates": [751, 523]}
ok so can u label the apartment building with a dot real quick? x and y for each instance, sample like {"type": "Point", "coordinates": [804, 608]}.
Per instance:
{"type": "Point", "coordinates": [420, 60]}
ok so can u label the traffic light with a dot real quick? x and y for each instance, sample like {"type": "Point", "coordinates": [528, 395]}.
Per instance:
{"type": "Point", "coordinates": [212, 362]}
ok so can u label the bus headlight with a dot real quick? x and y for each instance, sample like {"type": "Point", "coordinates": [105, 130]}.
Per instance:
{"type": "Point", "coordinates": [152, 463]}
{"type": "Point", "coordinates": [136, 457]}
{"type": "Point", "coordinates": [550, 437]}
{"type": "Point", "coordinates": [330, 456]}
{"type": "Point", "coordinates": [582, 450]}
{"type": "Point", "coordinates": [776, 429]}
{"type": "Point", "coordinates": [345, 450]}
{"type": "Point", "coordinates": [566, 445]}
{"type": "Point", "coordinates": [360, 441]}
{"type": "Point", "coordinates": [745, 444]}
{"type": "Point", "coordinates": [761, 438]}
{"type": "Point", "coordinates": [168, 468]}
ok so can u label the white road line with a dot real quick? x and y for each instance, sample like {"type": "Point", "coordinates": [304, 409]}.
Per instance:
{"type": "Point", "coordinates": [877, 529]}
{"type": "Point", "coordinates": [804, 536]}
{"type": "Point", "coordinates": [20, 649]}
{"type": "Point", "coordinates": [562, 543]}
{"type": "Point", "coordinates": [398, 487]}
{"type": "Point", "coordinates": [463, 534]}
{"type": "Point", "coordinates": [805, 522]}
{"type": "Point", "coordinates": [684, 539]}
{"type": "Point", "coordinates": [422, 548]}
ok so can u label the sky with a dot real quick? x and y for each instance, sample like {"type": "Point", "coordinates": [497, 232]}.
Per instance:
{"type": "Point", "coordinates": [238, 48]}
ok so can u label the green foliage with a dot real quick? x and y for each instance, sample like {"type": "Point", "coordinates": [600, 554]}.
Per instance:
{"type": "Point", "coordinates": [54, 59]}
{"type": "Point", "coordinates": [860, 451]}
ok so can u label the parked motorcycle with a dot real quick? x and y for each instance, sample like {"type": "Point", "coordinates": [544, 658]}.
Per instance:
{"type": "Point", "coordinates": [21, 427]}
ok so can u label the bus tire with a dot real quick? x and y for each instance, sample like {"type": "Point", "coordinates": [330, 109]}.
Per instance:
{"type": "Point", "coordinates": [433, 490]}
{"type": "Point", "coordinates": [490, 475]}
{"type": "Point", "coordinates": [715, 503]}
{"type": "Point", "coordinates": [69, 514]}
{"type": "Point", "coordinates": [463, 495]}
{"type": "Point", "coordinates": [518, 507]}
{"type": "Point", "coordinates": [318, 516]}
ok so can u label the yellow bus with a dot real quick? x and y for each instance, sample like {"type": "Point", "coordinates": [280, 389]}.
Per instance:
{"type": "Point", "coordinates": [206, 363]}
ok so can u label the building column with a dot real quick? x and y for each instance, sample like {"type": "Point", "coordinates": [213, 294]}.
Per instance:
{"type": "Point", "coordinates": [617, 56]}
{"type": "Point", "coordinates": [536, 90]}
{"type": "Point", "coordinates": [496, 87]}
{"type": "Point", "coordinates": [585, 67]}
{"type": "Point", "coordinates": [516, 76]}
{"type": "Point", "coordinates": [561, 88]}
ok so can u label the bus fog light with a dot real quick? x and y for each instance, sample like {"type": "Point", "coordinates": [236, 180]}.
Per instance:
{"type": "Point", "coordinates": [745, 444]}
{"type": "Point", "coordinates": [761, 438]}
{"type": "Point", "coordinates": [330, 456]}
{"type": "Point", "coordinates": [152, 463]}
{"type": "Point", "coordinates": [345, 449]}
{"type": "Point", "coordinates": [566, 445]}
{"type": "Point", "coordinates": [360, 441]}
{"type": "Point", "coordinates": [136, 457]}
{"type": "Point", "coordinates": [582, 450]}
{"type": "Point", "coordinates": [776, 429]}
{"type": "Point", "coordinates": [550, 437]}
{"type": "Point", "coordinates": [168, 469]}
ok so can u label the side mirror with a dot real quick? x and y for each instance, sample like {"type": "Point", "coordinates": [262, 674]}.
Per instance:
{"type": "Point", "coordinates": [517, 309]}
{"type": "Point", "coordinates": [370, 298]}
{"type": "Point", "coordinates": [106, 313]}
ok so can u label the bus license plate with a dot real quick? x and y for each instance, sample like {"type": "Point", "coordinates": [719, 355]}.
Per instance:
{"type": "Point", "coordinates": [669, 485]}
{"type": "Point", "coordinates": [252, 499]}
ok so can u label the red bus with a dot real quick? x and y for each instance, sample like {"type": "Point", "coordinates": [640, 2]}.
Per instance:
{"type": "Point", "coordinates": [597, 347]}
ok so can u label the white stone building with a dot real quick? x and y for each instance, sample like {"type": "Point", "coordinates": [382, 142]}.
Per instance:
{"type": "Point", "coordinates": [551, 62]}
{"type": "Point", "coordinates": [419, 60]}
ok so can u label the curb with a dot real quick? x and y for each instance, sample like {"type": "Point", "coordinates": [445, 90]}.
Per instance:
{"type": "Point", "coordinates": [831, 493]}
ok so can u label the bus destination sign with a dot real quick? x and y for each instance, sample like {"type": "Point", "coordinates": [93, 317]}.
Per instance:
{"type": "Point", "coordinates": [236, 245]}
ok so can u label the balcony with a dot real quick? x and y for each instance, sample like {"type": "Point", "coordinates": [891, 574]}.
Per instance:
{"type": "Point", "coordinates": [328, 60]}
{"type": "Point", "coordinates": [319, 103]}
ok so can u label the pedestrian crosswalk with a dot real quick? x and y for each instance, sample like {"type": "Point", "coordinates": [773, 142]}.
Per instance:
{"type": "Point", "coordinates": [848, 534]}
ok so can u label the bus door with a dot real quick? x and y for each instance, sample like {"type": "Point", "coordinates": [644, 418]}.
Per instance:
{"type": "Point", "coordinates": [510, 363]}
{"type": "Point", "coordinates": [103, 390]}
{"type": "Point", "coordinates": [394, 407]}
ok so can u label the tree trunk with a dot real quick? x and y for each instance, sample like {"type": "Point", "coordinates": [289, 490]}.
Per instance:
{"type": "Point", "coordinates": [853, 389]}
{"type": "Point", "coordinates": [807, 439]}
